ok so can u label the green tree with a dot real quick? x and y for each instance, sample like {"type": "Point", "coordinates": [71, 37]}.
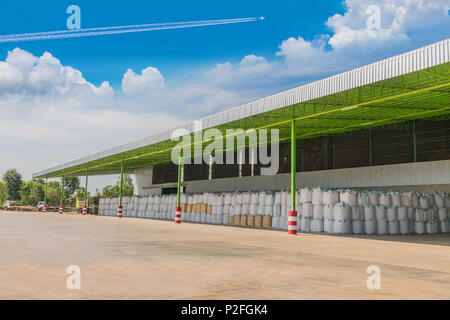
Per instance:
{"type": "Point", "coordinates": [80, 192]}
{"type": "Point", "coordinates": [95, 199]}
{"type": "Point", "coordinates": [128, 186]}
{"type": "Point", "coordinates": [13, 181]}
{"type": "Point", "coordinates": [3, 192]}
{"type": "Point", "coordinates": [71, 185]}
{"type": "Point", "coordinates": [112, 191]}
{"type": "Point", "coordinates": [53, 193]}
{"type": "Point", "coordinates": [32, 191]}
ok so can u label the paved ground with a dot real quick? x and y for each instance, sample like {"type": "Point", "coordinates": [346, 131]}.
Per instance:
{"type": "Point", "coordinates": [146, 259]}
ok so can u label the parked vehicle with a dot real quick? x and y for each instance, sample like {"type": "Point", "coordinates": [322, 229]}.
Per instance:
{"type": "Point", "coordinates": [9, 204]}
{"type": "Point", "coordinates": [91, 209]}
{"type": "Point", "coordinates": [40, 205]}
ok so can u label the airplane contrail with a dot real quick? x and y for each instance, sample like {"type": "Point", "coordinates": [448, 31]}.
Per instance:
{"type": "Point", "coordinates": [89, 32]}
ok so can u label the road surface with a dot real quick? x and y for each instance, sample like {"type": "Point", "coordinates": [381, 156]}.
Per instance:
{"type": "Point", "coordinates": [147, 259]}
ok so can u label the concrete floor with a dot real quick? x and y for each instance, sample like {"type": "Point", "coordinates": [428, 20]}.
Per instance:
{"type": "Point", "coordinates": [147, 259]}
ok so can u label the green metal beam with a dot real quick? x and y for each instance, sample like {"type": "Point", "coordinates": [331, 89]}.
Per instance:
{"type": "Point", "coordinates": [334, 152]}
{"type": "Point", "coordinates": [292, 219]}
{"type": "Point", "coordinates": [414, 141]}
{"type": "Point", "coordinates": [179, 178]}
{"type": "Point", "coordinates": [293, 164]}
{"type": "Point", "coordinates": [85, 189]}
{"type": "Point", "coordinates": [121, 183]}
{"type": "Point", "coordinates": [45, 191]}
{"type": "Point", "coordinates": [62, 191]}
{"type": "Point", "coordinates": [370, 147]}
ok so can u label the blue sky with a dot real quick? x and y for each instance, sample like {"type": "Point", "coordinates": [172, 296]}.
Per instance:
{"type": "Point", "coordinates": [63, 99]}
{"type": "Point", "coordinates": [174, 52]}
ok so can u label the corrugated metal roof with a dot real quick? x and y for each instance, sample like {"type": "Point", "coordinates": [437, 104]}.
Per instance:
{"type": "Point", "coordinates": [419, 59]}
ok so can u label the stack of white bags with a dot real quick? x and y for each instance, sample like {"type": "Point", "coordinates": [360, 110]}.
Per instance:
{"type": "Point", "coordinates": [318, 210]}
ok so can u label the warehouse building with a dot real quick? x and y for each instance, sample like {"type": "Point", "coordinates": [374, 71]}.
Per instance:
{"type": "Point", "coordinates": [383, 125]}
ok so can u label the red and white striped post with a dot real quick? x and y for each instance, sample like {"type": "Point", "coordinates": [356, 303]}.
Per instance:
{"type": "Point", "coordinates": [61, 199]}
{"type": "Point", "coordinates": [178, 207]}
{"type": "Point", "coordinates": [119, 208]}
{"type": "Point", "coordinates": [177, 214]}
{"type": "Point", "coordinates": [84, 210]}
{"type": "Point", "coordinates": [292, 222]}
{"type": "Point", "coordinates": [292, 219]}
{"type": "Point", "coordinates": [44, 209]}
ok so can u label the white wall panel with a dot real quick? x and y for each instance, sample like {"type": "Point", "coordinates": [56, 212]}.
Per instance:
{"type": "Point", "coordinates": [397, 175]}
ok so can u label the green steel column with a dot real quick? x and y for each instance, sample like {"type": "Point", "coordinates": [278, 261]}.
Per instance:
{"type": "Point", "coordinates": [370, 147]}
{"type": "Point", "coordinates": [414, 140]}
{"type": "Point", "coordinates": [121, 183]}
{"type": "Point", "coordinates": [85, 189]}
{"type": "Point", "coordinates": [45, 191]}
{"type": "Point", "coordinates": [62, 191]}
{"type": "Point", "coordinates": [334, 151]}
{"type": "Point", "coordinates": [292, 219]}
{"type": "Point", "coordinates": [293, 163]}
{"type": "Point", "coordinates": [179, 178]}
{"type": "Point", "coordinates": [178, 208]}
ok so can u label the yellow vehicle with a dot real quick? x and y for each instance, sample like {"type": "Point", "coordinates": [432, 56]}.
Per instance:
{"type": "Point", "coordinates": [79, 204]}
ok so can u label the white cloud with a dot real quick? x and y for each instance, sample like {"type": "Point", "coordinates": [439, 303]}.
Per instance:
{"type": "Point", "coordinates": [397, 18]}
{"type": "Point", "coordinates": [305, 57]}
{"type": "Point", "coordinates": [352, 43]}
{"type": "Point", "coordinates": [221, 87]}
{"type": "Point", "coordinates": [149, 81]}
{"type": "Point", "coordinates": [51, 114]}
{"type": "Point", "coordinates": [223, 72]}
{"type": "Point", "coordinates": [25, 75]}
{"type": "Point", "coordinates": [8, 76]}
{"type": "Point", "coordinates": [249, 67]}
{"type": "Point", "coordinates": [250, 78]}
{"type": "Point", "coordinates": [253, 64]}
